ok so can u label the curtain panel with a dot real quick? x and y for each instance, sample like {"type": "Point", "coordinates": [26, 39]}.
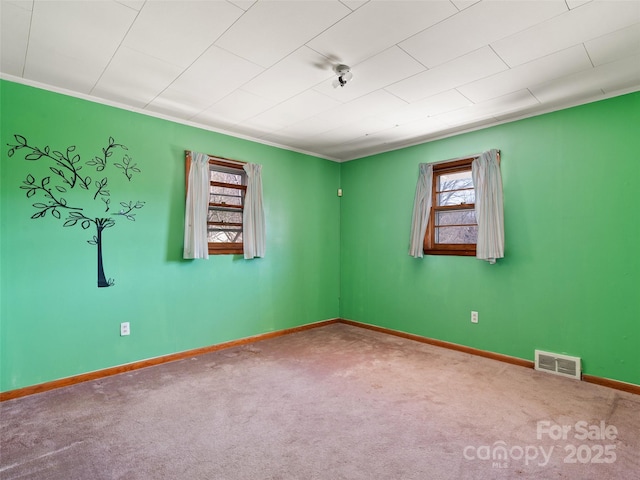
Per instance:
{"type": "Point", "coordinates": [196, 243]}
{"type": "Point", "coordinates": [487, 181]}
{"type": "Point", "coordinates": [421, 210]}
{"type": "Point", "coordinates": [253, 223]}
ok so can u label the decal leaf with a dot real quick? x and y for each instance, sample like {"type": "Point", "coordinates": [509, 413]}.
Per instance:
{"type": "Point", "coordinates": [33, 156]}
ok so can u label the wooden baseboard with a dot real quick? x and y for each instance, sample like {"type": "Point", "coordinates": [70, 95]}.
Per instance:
{"type": "Point", "coordinates": [107, 372]}
{"type": "Point", "coordinates": [85, 377]}
{"type": "Point", "coordinates": [616, 384]}
{"type": "Point", "coordinates": [439, 343]}
{"type": "Point", "coordinates": [605, 382]}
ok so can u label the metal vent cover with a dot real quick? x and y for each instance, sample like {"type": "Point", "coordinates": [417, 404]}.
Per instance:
{"type": "Point", "coordinates": [558, 364]}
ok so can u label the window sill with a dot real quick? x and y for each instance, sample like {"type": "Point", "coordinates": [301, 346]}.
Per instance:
{"type": "Point", "coordinates": [225, 249]}
{"type": "Point", "coordinates": [452, 252]}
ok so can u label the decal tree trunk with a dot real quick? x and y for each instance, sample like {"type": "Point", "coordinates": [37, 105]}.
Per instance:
{"type": "Point", "coordinates": [102, 279]}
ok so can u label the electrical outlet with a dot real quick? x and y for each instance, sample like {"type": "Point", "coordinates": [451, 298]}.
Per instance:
{"type": "Point", "coordinates": [124, 329]}
{"type": "Point", "coordinates": [474, 317]}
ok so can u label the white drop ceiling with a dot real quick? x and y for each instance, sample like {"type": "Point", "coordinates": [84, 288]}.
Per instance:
{"type": "Point", "coordinates": [423, 69]}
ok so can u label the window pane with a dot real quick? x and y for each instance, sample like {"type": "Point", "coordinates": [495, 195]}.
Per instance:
{"type": "Point", "coordinates": [455, 181]}
{"type": "Point", "coordinates": [457, 197]}
{"type": "Point", "coordinates": [457, 235]}
{"type": "Point", "coordinates": [456, 217]}
{"type": "Point", "coordinates": [224, 234]}
{"type": "Point", "coordinates": [225, 177]}
{"type": "Point", "coordinates": [455, 188]}
{"type": "Point", "coordinates": [225, 196]}
{"type": "Point", "coordinates": [224, 216]}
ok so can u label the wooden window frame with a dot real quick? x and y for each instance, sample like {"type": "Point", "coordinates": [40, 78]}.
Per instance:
{"type": "Point", "coordinates": [430, 247]}
{"type": "Point", "coordinates": [220, 248]}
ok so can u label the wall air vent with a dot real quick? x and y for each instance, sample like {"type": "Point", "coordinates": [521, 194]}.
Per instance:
{"type": "Point", "coordinates": [558, 364]}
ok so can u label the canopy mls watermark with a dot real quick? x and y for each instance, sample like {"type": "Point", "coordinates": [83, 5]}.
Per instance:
{"type": "Point", "coordinates": [598, 445]}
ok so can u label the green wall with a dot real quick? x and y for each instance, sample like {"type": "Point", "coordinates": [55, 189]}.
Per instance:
{"type": "Point", "coordinates": [55, 322]}
{"type": "Point", "coordinates": [570, 279]}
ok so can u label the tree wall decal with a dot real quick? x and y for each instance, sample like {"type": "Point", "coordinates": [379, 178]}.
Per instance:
{"type": "Point", "coordinates": [66, 177]}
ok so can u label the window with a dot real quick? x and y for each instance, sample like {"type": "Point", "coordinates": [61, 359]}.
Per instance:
{"type": "Point", "coordinates": [227, 190]}
{"type": "Point", "coordinates": [452, 227]}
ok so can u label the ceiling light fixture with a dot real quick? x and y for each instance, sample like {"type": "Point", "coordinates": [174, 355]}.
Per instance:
{"type": "Point", "coordinates": [344, 75]}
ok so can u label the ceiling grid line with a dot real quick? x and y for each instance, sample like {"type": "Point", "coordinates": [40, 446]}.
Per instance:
{"type": "Point", "coordinates": [119, 45]}
{"type": "Point", "coordinates": [586, 51]}
{"type": "Point", "coordinates": [26, 50]}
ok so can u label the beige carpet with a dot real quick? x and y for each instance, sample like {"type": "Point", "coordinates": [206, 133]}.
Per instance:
{"type": "Point", "coordinates": [335, 402]}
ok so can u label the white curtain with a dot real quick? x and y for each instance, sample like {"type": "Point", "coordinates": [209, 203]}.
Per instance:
{"type": "Point", "coordinates": [253, 225]}
{"type": "Point", "coordinates": [487, 181]}
{"type": "Point", "coordinates": [195, 218]}
{"type": "Point", "coordinates": [421, 210]}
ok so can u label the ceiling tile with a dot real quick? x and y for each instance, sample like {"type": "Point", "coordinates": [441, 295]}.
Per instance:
{"type": "Point", "coordinates": [477, 26]}
{"type": "Point", "coordinates": [24, 4]}
{"type": "Point", "coordinates": [301, 144]}
{"type": "Point", "coordinates": [419, 127]}
{"type": "Point", "coordinates": [72, 42]}
{"type": "Point", "coordinates": [14, 35]}
{"type": "Point", "coordinates": [354, 4]}
{"type": "Point", "coordinates": [576, 3]}
{"type": "Point", "coordinates": [353, 131]}
{"type": "Point", "coordinates": [619, 75]}
{"type": "Point", "coordinates": [204, 83]}
{"type": "Point", "coordinates": [429, 107]}
{"type": "Point", "coordinates": [62, 71]}
{"type": "Point", "coordinates": [305, 105]}
{"type": "Point", "coordinates": [249, 131]}
{"type": "Point", "coordinates": [385, 140]}
{"type": "Point", "coordinates": [576, 26]}
{"type": "Point", "coordinates": [393, 137]}
{"type": "Point", "coordinates": [309, 127]}
{"type": "Point", "coordinates": [174, 103]}
{"type": "Point", "coordinates": [375, 103]}
{"type": "Point", "coordinates": [135, 78]}
{"type": "Point", "coordinates": [289, 77]}
{"type": "Point", "coordinates": [463, 4]}
{"type": "Point", "coordinates": [615, 46]}
{"type": "Point", "coordinates": [377, 26]}
{"type": "Point", "coordinates": [135, 4]}
{"type": "Point", "coordinates": [473, 66]}
{"type": "Point", "coordinates": [480, 111]}
{"type": "Point", "coordinates": [243, 4]}
{"type": "Point", "coordinates": [269, 31]}
{"type": "Point", "coordinates": [87, 31]}
{"type": "Point", "coordinates": [178, 32]}
{"type": "Point", "coordinates": [566, 62]}
{"type": "Point", "coordinates": [235, 108]}
{"type": "Point", "coordinates": [377, 72]}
